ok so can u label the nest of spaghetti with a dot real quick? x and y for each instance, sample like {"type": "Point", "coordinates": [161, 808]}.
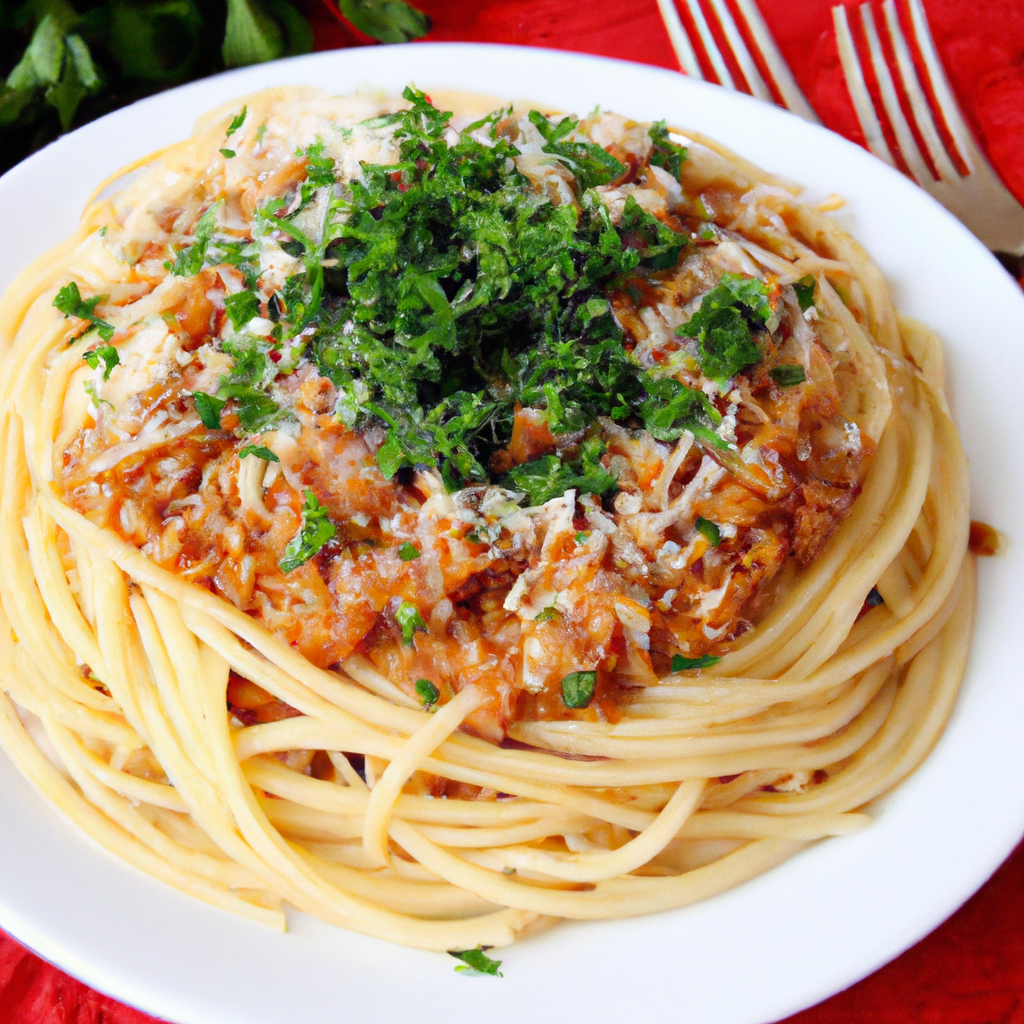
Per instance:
{"type": "Point", "coordinates": [447, 526]}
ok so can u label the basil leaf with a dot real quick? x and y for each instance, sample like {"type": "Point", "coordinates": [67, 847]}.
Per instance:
{"type": "Point", "coordinates": [390, 21]}
{"type": "Point", "coordinates": [251, 35]}
{"type": "Point", "coordinates": [315, 532]}
{"type": "Point", "coordinates": [578, 688]}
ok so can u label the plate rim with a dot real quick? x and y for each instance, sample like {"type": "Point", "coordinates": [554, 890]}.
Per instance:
{"type": "Point", "coordinates": [132, 990]}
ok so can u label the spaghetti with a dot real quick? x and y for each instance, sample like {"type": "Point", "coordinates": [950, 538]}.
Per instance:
{"type": "Point", "coordinates": [574, 543]}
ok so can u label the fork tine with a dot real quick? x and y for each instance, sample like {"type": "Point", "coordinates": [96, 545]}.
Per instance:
{"type": "Point", "coordinates": [679, 39]}
{"type": "Point", "coordinates": [943, 94]}
{"type": "Point", "coordinates": [790, 92]}
{"type": "Point", "coordinates": [739, 50]}
{"type": "Point", "coordinates": [918, 103]}
{"type": "Point", "coordinates": [904, 137]}
{"type": "Point", "coordinates": [710, 46]}
{"type": "Point", "coordinates": [857, 88]}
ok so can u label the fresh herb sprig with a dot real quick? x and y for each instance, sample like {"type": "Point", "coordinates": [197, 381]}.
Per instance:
{"type": "Point", "coordinates": [65, 62]}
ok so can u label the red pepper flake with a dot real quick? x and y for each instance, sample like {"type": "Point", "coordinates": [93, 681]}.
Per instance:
{"type": "Point", "coordinates": [984, 539]}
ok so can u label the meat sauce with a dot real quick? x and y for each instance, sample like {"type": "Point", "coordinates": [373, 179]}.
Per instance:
{"type": "Point", "coordinates": [617, 587]}
{"type": "Point", "coordinates": [679, 563]}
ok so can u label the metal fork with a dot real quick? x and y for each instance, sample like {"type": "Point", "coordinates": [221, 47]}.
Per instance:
{"type": "Point", "coordinates": [750, 19]}
{"type": "Point", "coordinates": [978, 197]}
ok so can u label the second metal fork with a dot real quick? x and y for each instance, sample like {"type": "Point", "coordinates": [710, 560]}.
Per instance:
{"type": "Point", "coordinates": [977, 197]}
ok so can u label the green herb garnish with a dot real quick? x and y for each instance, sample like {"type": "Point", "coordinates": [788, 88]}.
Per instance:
{"type": "Point", "coordinates": [407, 552]}
{"type": "Point", "coordinates": [548, 613]}
{"type": "Point", "coordinates": [227, 153]}
{"type": "Point", "coordinates": [236, 122]}
{"type": "Point", "coordinates": [578, 688]}
{"type": "Point", "coordinates": [209, 408]}
{"type": "Point", "coordinates": [241, 308]}
{"type": "Point", "coordinates": [681, 664]}
{"type": "Point", "coordinates": [787, 374]}
{"type": "Point", "coordinates": [591, 164]}
{"type": "Point", "coordinates": [90, 390]}
{"type": "Point", "coordinates": [315, 532]}
{"type": "Point", "coordinates": [190, 260]}
{"type": "Point", "coordinates": [408, 617]}
{"type": "Point", "coordinates": [259, 451]}
{"type": "Point", "coordinates": [582, 537]}
{"type": "Point", "coordinates": [804, 289]}
{"type": "Point", "coordinates": [722, 325]}
{"type": "Point", "coordinates": [106, 353]}
{"type": "Point", "coordinates": [476, 961]}
{"type": "Point", "coordinates": [709, 531]}
{"type": "Point", "coordinates": [427, 692]}
{"type": "Point", "coordinates": [70, 302]}
{"type": "Point", "coordinates": [666, 153]}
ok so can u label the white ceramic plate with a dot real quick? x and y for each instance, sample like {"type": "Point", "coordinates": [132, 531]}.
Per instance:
{"type": "Point", "coordinates": [760, 952]}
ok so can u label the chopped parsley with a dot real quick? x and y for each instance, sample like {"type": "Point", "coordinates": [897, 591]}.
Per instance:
{"type": "Point", "coordinates": [209, 408]}
{"type": "Point", "coordinates": [709, 531]}
{"type": "Point", "coordinates": [458, 291]}
{"type": "Point", "coordinates": [787, 374]}
{"type": "Point", "coordinates": [408, 617]}
{"type": "Point", "coordinates": [681, 664]}
{"type": "Point", "coordinates": [236, 122]}
{"type": "Point", "coordinates": [260, 451]}
{"type": "Point", "coordinates": [105, 353]}
{"type": "Point", "coordinates": [241, 308]}
{"type": "Point", "coordinates": [90, 390]}
{"type": "Point", "coordinates": [70, 302]}
{"type": "Point", "coordinates": [408, 552]}
{"type": "Point", "coordinates": [578, 688]}
{"type": "Point", "coordinates": [441, 292]}
{"type": "Point", "coordinates": [316, 531]}
{"type": "Point", "coordinates": [582, 537]}
{"type": "Point", "coordinates": [427, 692]}
{"type": "Point", "coordinates": [190, 260]}
{"type": "Point", "coordinates": [548, 613]}
{"type": "Point", "coordinates": [476, 961]}
{"type": "Point", "coordinates": [804, 289]}
{"type": "Point", "coordinates": [666, 153]}
{"type": "Point", "coordinates": [591, 164]}
{"type": "Point", "coordinates": [227, 153]}
{"type": "Point", "coordinates": [722, 325]}
{"type": "Point", "coordinates": [549, 477]}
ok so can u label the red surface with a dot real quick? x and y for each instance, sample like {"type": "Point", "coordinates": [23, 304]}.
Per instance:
{"type": "Point", "coordinates": [971, 969]}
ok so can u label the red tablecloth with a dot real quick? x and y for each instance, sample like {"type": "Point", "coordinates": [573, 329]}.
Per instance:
{"type": "Point", "coordinates": [971, 969]}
